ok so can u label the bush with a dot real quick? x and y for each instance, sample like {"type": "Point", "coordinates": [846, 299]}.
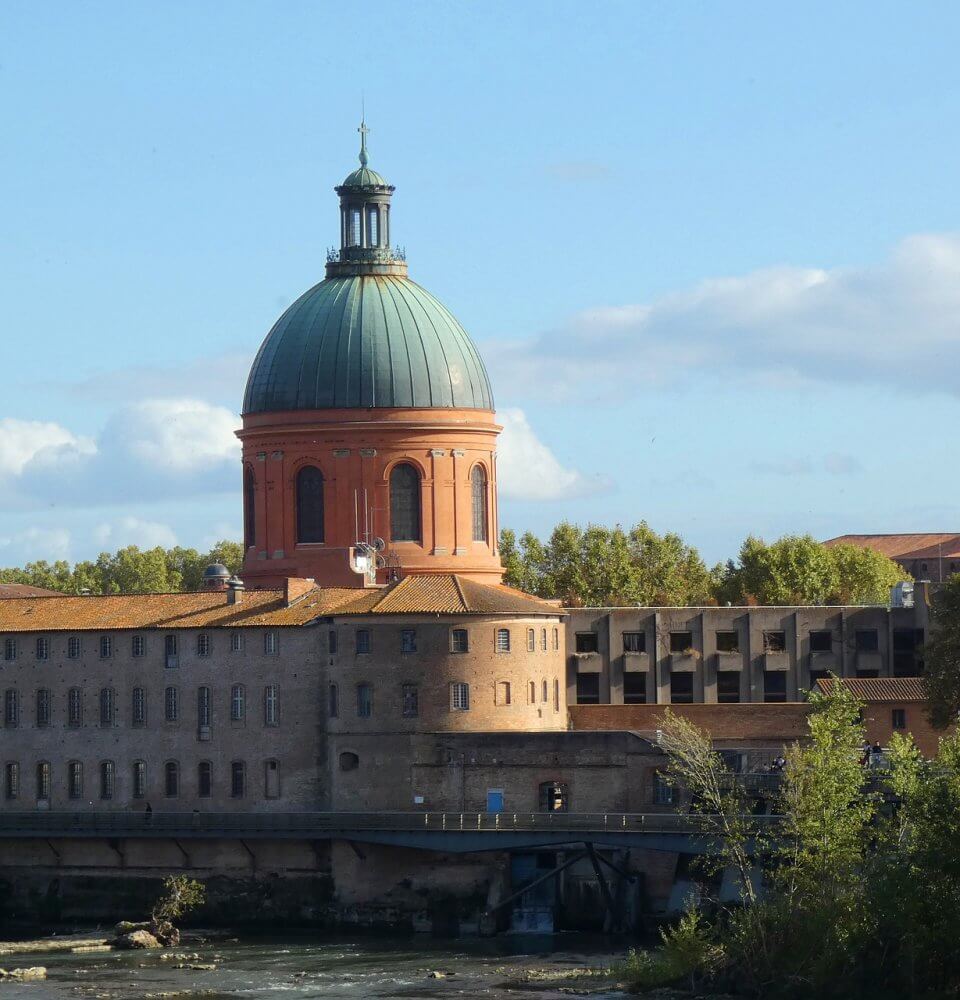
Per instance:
{"type": "Point", "coordinates": [688, 953]}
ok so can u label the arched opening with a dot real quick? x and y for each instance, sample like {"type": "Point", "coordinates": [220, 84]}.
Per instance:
{"type": "Point", "coordinates": [478, 497]}
{"type": "Point", "coordinates": [405, 504]}
{"type": "Point", "coordinates": [349, 761]}
{"type": "Point", "coordinates": [249, 508]}
{"type": "Point", "coordinates": [309, 504]}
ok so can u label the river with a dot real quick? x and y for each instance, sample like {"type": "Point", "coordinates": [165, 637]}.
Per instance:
{"type": "Point", "coordinates": [341, 968]}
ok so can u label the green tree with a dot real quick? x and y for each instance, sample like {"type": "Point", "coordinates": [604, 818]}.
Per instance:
{"type": "Point", "coordinates": [941, 655]}
{"type": "Point", "coordinates": [180, 896]}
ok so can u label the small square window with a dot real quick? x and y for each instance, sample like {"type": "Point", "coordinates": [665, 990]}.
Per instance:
{"type": "Point", "coordinates": [634, 642]}
{"type": "Point", "coordinates": [821, 641]}
{"type": "Point", "coordinates": [728, 642]}
{"type": "Point", "coordinates": [459, 641]}
{"type": "Point", "coordinates": [899, 718]}
{"type": "Point", "coordinates": [408, 640]}
{"type": "Point", "coordinates": [363, 640]}
{"type": "Point", "coordinates": [681, 642]}
{"type": "Point", "coordinates": [587, 642]}
{"type": "Point", "coordinates": [867, 640]}
{"type": "Point", "coordinates": [775, 642]}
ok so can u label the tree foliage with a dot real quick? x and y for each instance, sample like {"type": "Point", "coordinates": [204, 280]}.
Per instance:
{"type": "Point", "coordinates": [941, 654]}
{"type": "Point", "coordinates": [180, 896]}
{"type": "Point", "coordinates": [129, 570]}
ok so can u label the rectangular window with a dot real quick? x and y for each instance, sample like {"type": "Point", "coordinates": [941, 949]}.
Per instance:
{"type": "Point", "coordinates": [43, 708]}
{"type": "Point", "coordinates": [543, 640]}
{"type": "Point", "coordinates": [73, 647]}
{"type": "Point", "coordinates": [171, 779]}
{"type": "Point", "coordinates": [171, 705]}
{"type": "Point", "coordinates": [271, 705]}
{"type": "Point", "coordinates": [139, 716]}
{"type": "Point", "coordinates": [332, 642]}
{"type": "Point", "coordinates": [11, 707]}
{"type": "Point", "coordinates": [899, 718]}
{"type": "Point", "coordinates": [333, 701]}
{"type": "Point", "coordinates": [10, 649]}
{"type": "Point", "coordinates": [106, 707]}
{"type": "Point", "coordinates": [172, 658]}
{"type": "Point", "coordinates": [634, 642]}
{"type": "Point", "coordinates": [728, 686]}
{"type": "Point", "coordinates": [775, 642]}
{"type": "Point", "coordinates": [353, 227]}
{"type": "Point", "coordinates": [203, 644]}
{"type": "Point", "coordinates": [411, 701]}
{"type": "Point", "coordinates": [43, 647]}
{"type": "Point", "coordinates": [460, 697]}
{"type": "Point", "coordinates": [139, 779]}
{"type": "Point", "coordinates": [532, 692]}
{"type": "Point", "coordinates": [556, 695]}
{"type": "Point", "coordinates": [663, 791]}
{"type": "Point", "coordinates": [774, 685]}
{"type": "Point", "coordinates": [821, 641]}
{"type": "Point", "coordinates": [556, 639]}
{"type": "Point", "coordinates": [236, 703]}
{"type": "Point", "coordinates": [75, 779]}
{"type": "Point", "coordinates": [531, 640]}
{"type": "Point", "coordinates": [867, 640]}
{"type": "Point", "coordinates": [587, 642]}
{"type": "Point", "coordinates": [459, 642]}
{"type": "Point", "coordinates": [408, 640]}
{"type": "Point", "coordinates": [203, 707]}
{"type": "Point", "coordinates": [588, 689]}
{"type": "Point", "coordinates": [503, 640]}
{"type": "Point", "coordinates": [634, 688]}
{"type": "Point", "coordinates": [107, 782]}
{"type": "Point", "coordinates": [681, 688]}
{"type": "Point", "coordinates": [364, 701]}
{"type": "Point", "coordinates": [373, 236]}
{"type": "Point", "coordinates": [270, 643]}
{"type": "Point", "coordinates": [543, 689]}
{"type": "Point", "coordinates": [681, 642]}
{"type": "Point", "coordinates": [11, 785]}
{"type": "Point", "coordinates": [74, 707]}
{"type": "Point", "coordinates": [503, 691]}
{"type": "Point", "coordinates": [43, 781]}
{"type": "Point", "coordinates": [106, 647]}
{"type": "Point", "coordinates": [138, 645]}
{"type": "Point", "coordinates": [204, 781]}
{"type": "Point", "coordinates": [728, 642]}
{"type": "Point", "coordinates": [363, 640]}
{"type": "Point", "coordinates": [238, 779]}
{"type": "Point", "coordinates": [236, 642]}
{"type": "Point", "coordinates": [271, 780]}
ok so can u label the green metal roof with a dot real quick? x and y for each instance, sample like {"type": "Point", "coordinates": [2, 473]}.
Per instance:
{"type": "Point", "coordinates": [365, 177]}
{"type": "Point", "coordinates": [367, 340]}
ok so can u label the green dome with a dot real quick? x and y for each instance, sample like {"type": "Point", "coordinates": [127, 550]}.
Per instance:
{"type": "Point", "coordinates": [367, 340]}
{"type": "Point", "coordinates": [365, 177]}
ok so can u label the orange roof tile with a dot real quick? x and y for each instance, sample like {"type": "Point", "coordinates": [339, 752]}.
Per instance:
{"type": "Point", "coordinates": [871, 689]}
{"type": "Point", "coordinates": [907, 546]}
{"type": "Point", "coordinates": [8, 590]}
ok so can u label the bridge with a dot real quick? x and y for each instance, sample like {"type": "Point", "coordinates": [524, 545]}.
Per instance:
{"type": "Point", "coordinates": [450, 832]}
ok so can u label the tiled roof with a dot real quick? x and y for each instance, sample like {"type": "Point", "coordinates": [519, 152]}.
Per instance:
{"type": "Point", "coordinates": [870, 689]}
{"type": "Point", "coordinates": [209, 609]}
{"type": "Point", "coordinates": [8, 590]}
{"type": "Point", "coordinates": [908, 546]}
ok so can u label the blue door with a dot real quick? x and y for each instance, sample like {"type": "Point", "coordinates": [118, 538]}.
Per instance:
{"type": "Point", "coordinates": [494, 800]}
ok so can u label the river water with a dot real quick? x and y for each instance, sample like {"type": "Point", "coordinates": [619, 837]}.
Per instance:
{"type": "Point", "coordinates": [306, 966]}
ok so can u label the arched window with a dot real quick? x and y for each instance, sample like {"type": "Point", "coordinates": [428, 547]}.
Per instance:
{"type": "Point", "coordinates": [405, 504]}
{"type": "Point", "coordinates": [478, 496]}
{"type": "Point", "coordinates": [107, 779]}
{"type": "Point", "coordinates": [249, 508]}
{"type": "Point", "coordinates": [309, 504]}
{"type": "Point", "coordinates": [171, 779]}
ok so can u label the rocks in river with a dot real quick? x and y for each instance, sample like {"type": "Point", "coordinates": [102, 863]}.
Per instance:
{"type": "Point", "coordinates": [145, 934]}
{"type": "Point", "coordinates": [34, 972]}
{"type": "Point", "coordinates": [136, 939]}
{"type": "Point", "coordinates": [197, 966]}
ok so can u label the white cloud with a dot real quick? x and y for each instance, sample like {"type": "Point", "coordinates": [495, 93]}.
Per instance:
{"type": "Point", "coordinates": [26, 441]}
{"type": "Point", "coordinates": [32, 544]}
{"type": "Point", "coordinates": [135, 531]}
{"type": "Point", "coordinates": [895, 324]}
{"type": "Point", "coordinates": [528, 470]}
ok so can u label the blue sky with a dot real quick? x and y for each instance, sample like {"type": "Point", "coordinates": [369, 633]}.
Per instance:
{"type": "Point", "coordinates": [709, 251]}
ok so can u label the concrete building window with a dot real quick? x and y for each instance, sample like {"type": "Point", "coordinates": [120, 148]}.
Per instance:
{"type": "Point", "coordinates": [310, 504]}
{"type": "Point", "coordinates": [107, 779]}
{"type": "Point", "coordinates": [634, 642]}
{"type": "Point", "coordinates": [898, 718]}
{"type": "Point", "coordinates": [332, 642]}
{"type": "Point", "coordinates": [333, 702]}
{"type": "Point", "coordinates": [503, 640]}
{"type": "Point", "coordinates": [728, 642]}
{"type": "Point", "coordinates": [556, 638]}
{"type": "Point", "coordinates": [10, 649]}
{"type": "Point", "coordinates": [138, 646]}
{"type": "Point", "coordinates": [43, 781]}
{"type": "Point", "coordinates": [906, 642]}
{"type": "Point", "coordinates": [556, 695]}
{"type": "Point", "coordinates": [821, 641]}
{"type": "Point", "coordinates": [364, 701]}
{"type": "Point", "coordinates": [459, 641]}
{"type": "Point", "coordinates": [663, 792]}
{"type": "Point", "coordinates": [139, 779]}
{"type": "Point", "coordinates": [503, 692]}
{"type": "Point", "coordinates": [107, 704]}
{"type": "Point", "coordinates": [203, 644]}
{"type": "Point", "coordinates": [681, 642]}
{"type": "Point", "coordinates": [681, 688]}
{"type": "Point", "coordinates": [236, 642]}
{"type": "Point", "coordinates": [634, 688]}
{"type": "Point", "coordinates": [774, 685]}
{"type": "Point", "coordinates": [270, 644]}
{"type": "Point", "coordinates": [11, 707]}
{"type": "Point", "coordinates": [106, 647]}
{"type": "Point", "coordinates": [478, 499]}
{"type": "Point", "coordinates": [363, 640]}
{"type": "Point", "coordinates": [43, 708]}
{"type": "Point", "coordinates": [73, 647]}
{"type": "Point", "coordinates": [43, 647]}
{"type": "Point", "coordinates": [867, 640]}
{"type": "Point", "coordinates": [271, 779]}
{"type": "Point", "coordinates": [553, 797]}
{"type": "Point", "coordinates": [139, 706]}
{"type": "Point", "coordinates": [543, 640]}
{"type": "Point", "coordinates": [11, 784]}
{"type": "Point", "coordinates": [171, 779]}
{"type": "Point", "coordinates": [249, 508]}
{"type": "Point", "coordinates": [349, 761]}
{"type": "Point", "coordinates": [404, 504]}
{"type": "Point", "coordinates": [271, 705]}
{"type": "Point", "coordinates": [775, 642]}
{"type": "Point", "coordinates": [408, 640]}
{"type": "Point", "coordinates": [171, 704]}
{"type": "Point", "coordinates": [587, 642]}
{"type": "Point", "coordinates": [238, 779]}
{"type": "Point", "coordinates": [460, 697]}
{"type": "Point", "coordinates": [588, 689]}
{"type": "Point", "coordinates": [531, 640]}
{"type": "Point", "coordinates": [728, 686]}
{"type": "Point", "coordinates": [203, 707]}
{"type": "Point", "coordinates": [236, 703]}
{"type": "Point", "coordinates": [74, 779]}
{"type": "Point", "coordinates": [75, 707]}
{"type": "Point", "coordinates": [172, 658]}
{"type": "Point", "coordinates": [204, 779]}
{"type": "Point", "coordinates": [411, 701]}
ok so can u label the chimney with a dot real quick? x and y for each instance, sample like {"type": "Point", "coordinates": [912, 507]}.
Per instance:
{"type": "Point", "coordinates": [234, 590]}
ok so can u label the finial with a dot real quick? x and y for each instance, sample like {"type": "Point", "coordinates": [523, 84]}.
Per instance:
{"type": "Point", "coordinates": [363, 130]}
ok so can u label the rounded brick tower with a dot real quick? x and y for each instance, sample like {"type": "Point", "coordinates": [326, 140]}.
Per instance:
{"type": "Point", "coordinates": [369, 435]}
